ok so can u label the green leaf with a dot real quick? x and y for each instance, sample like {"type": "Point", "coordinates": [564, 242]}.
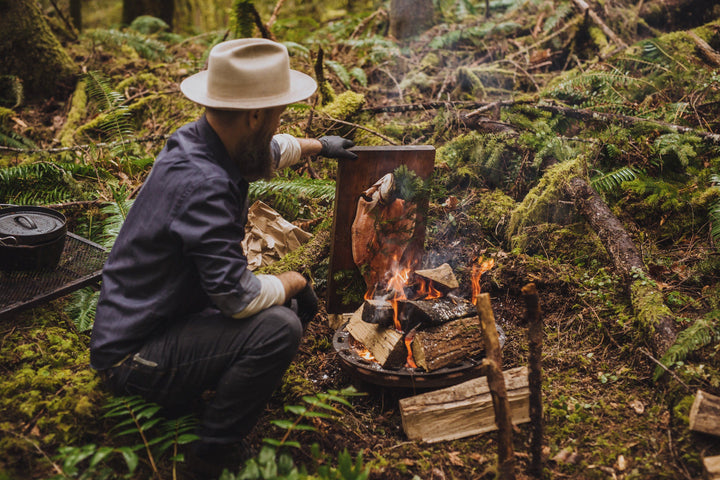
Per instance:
{"type": "Point", "coordinates": [100, 455]}
{"type": "Point", "coordinates": [130, 457]}
{"type": "Point", "coordinates": [296, 409]}
{"type": "Point", "coordinates": [286, 424]}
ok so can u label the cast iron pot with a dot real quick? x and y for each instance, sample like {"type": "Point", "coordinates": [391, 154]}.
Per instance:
{"type": "Point", "coordinates": [31, 238]}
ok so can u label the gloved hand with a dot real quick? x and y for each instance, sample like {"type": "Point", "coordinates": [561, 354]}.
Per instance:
{"type": "Point", "coordinates": [306, 303]}
{"type": "Point", "coordinates": [336, 147]}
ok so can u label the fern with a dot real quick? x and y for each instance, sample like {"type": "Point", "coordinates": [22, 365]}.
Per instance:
{"type": "Point", "coordinates": [285, 194]}
{"type": "Point", "coordinates": [612, 181]}
{"type": "Point", "coordinates": [148, 48]}
{"type": "Point", "coordinates": [114, 121]}
{"type": "Point", "coordinates": [715, 213]}
{"type": "Point", "coordinates": [676, 146]}
{"type": "Point", "coordinates": [81, 308]}
{"type": "Point", "coordinates": [704, 331]}
{"type": "Point", "coordinates": [116, 213]}
{"type": "Point", "coordinates": [15, 140]}
{"type": "Point", "coordinates": [340, 71]}
{"type": "Point", "coordinates": [42, 182]}
{"type": "Point", "coordinates": [559, 13]}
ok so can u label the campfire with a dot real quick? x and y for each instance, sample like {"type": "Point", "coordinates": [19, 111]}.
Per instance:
{"type": "Point", "coordinates": [413, 320]}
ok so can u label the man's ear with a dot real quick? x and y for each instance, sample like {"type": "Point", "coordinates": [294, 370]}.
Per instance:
{"type": "Point", "coordinates": [255, 119]}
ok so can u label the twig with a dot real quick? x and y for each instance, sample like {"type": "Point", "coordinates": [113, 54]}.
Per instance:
{"type": "Point", "coordinates": [79, 203]}
{"type": "Point", "coordinates": [361, 26]}
{"type": "Point", "coordinates": [274, 15]}
{"type": "Point", "coordinates": [148, 138]}
{"type": "Point", "coordinates": [337, 120]}
{"type": "Point", "coordinates": [70, 26]}
{"type": "Point", "coordinates": [55, 466]}
{"type": "Point", "coordinates": [413, 107]}
{"type": "Point", "coordinates": [585, 8]}
{"type": "Point", "coordinates": [591, 115]}
{"type": "Point", "coordinates": [660, 364]}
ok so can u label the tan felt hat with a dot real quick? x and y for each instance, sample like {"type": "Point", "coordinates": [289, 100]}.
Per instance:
{"type": "Point", "coordinates": [248, 73]}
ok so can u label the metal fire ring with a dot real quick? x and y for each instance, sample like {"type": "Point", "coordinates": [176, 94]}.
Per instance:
{"type": "Point", "coordinates": [372, 372]}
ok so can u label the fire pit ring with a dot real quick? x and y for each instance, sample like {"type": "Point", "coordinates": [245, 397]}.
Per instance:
{"type": "Point", "coordinates": [372, 372]}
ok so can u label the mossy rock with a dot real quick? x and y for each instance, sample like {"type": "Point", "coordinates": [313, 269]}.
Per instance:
{"type": "Point", "coordinates": [344, 105]}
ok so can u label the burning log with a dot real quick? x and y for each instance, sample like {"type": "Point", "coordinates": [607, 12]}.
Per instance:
{"type": "Point", "coordinates": [434, 312]}
{"type": "Point", "coordinates": [447, 344]}
{"type": "Point", "coordinates": [387, 345]}
{"type": "Point", "coordinates": [464, 409]}
{"type": "Point", "coordinates": [378, 311]}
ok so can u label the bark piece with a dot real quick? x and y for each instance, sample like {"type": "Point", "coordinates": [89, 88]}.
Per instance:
{"type": "Point", "coordinates": [705, 414]}
{"type": "Point", "coordinates": [708, 52]}
{"type": "Point", "coordinates": [447, 344]}
{"type": "Point", "coordinates": [434, 312]}
{"type": "Point", "coordinates": [440, 276]}
{"type": "Point", "coordinates": [386, 344]}
{"type": "Point", "coordinates": [646, 299]}
{"type": "Point", "coordinates": [462, 410]}
{"type": "Point", "coordinates": [712, 467]}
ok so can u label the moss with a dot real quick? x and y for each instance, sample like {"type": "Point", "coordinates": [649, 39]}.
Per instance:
{"type": "Point", "coordinates": [493, 211]}
{"type": "Point", "coordinates": [48, 390]}
{"type": "Point", "coordinates": [541, 204]}
{"type": "Point", "coordinates": [305, 257]}
{"type": "Point", "coordinates": [5, 115]}
{"type": "Point", "coordinates": [78, 109]}
{"type": "Point", "coordinates": [344, 105]}
{"type": "Point", "coordinates": [682, 409]}
{"type": "Point", "coordinates": [648, 302]}
{"type": "Point", "coordinates": [147, 80]}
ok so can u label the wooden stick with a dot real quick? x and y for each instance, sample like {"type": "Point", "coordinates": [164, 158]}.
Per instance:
{"type": "Point", "coordinates": [535, 341]}
{"type": "Point", "coordinates": [496, 382]}
{"type": "Point", "coordinates": [710, 53]}
{"type": "Point", "coordinates": [274, 15]}
{"type": "Point", "coordinates": [598, 21]}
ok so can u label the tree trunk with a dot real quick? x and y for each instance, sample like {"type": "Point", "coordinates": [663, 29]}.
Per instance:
{"type": "Point", "coordinates": [76, 14]}
{"type": "Point", "coordinates": [31, 52]}
{"type": "Point", "coordinates": [409, 18]}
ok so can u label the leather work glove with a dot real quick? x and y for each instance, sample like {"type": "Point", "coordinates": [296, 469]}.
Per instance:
{"type": "Point", "coordinates": [306, 303]}
{"type": "Point", "coordinates": [336, 147]}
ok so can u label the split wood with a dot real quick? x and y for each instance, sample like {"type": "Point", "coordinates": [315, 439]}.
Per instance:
{"type": "Point", "coordinates": [535, 342]}
{"type": "Point", "coordinates": [705, 414]}
{"type": "Point", "coordinates": [496, 382]}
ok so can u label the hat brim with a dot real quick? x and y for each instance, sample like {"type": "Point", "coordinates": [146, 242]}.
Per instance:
{"type": "Point", "coordinates": [195, 89]}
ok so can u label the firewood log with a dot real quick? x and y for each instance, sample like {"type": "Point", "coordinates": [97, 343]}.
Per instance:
{"type": "Point", "coordinates": [386, 344]}
{"type": "Point", "coordinates": [705, 414]}
{"type": "Point", "coordinates": [447, 344]}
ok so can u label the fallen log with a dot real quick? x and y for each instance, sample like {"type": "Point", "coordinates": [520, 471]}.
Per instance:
{"type": "Point", "coordinates": [447, 344]}
{"type": "Point", "coordinates": [464, 409]}
{"type": "Point", "coordinates": [705, 414]}
{"type": "Point", "coordinates": [646, 299]}
{"type": "Point", "coordinates": [387, 345]}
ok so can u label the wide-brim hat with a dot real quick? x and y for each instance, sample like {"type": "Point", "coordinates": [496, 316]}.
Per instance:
{"type": "Point", "coordinates": [248, 73]}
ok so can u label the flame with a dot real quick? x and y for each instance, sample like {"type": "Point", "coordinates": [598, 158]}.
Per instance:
{"type": "Point", "coordinates": [397, 284]}
{"type": "Point", "coordinates": [365, 353]}
{"type": "Point", "coordinates": [477, 270]}
{"type": "Point", "coordinates": [428, 291]}
{"type": "Point", "coordinates": [370, 294]}
{"type": "Point", "coordinates": [408, 344]}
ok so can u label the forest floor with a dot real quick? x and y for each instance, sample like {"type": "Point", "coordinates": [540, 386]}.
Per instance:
{"type": "Point", "coordinates": [606, 415]}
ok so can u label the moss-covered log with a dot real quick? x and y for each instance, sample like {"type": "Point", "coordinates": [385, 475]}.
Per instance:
{"type": "Point", "coordinates": [31, 52]}
{"type": "Point", "coordinates": [646, 299]}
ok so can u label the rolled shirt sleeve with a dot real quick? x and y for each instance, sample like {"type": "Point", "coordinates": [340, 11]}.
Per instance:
{"type": "Point", "coordinates": [289, 149]}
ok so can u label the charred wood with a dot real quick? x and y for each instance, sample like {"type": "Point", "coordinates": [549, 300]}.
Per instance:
{"type": "Point", "coordinates": [378, 311]}
{"type": "Point", "coordinates": [433, 312]}
{"type": "Point", "coordinates": [386, 344]}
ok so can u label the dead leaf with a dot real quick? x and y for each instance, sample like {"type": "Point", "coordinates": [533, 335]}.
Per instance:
{"type": "Point", "coordinates": [437, 473]}
{"type": "Point", "coordinates": [19, 122]}
{"type": "Point", "coordinates": [454, 458]}
{"type": "Point", "coordinates": [638, 406]}
{"type": "Point", "coordinates": [621, 464]}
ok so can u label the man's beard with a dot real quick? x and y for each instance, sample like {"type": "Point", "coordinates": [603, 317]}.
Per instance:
{"type": "Point", "coordinates": [255, 158]}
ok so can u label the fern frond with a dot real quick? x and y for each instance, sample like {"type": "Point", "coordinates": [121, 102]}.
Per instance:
{"type": "Point", "coordinates": [299, 187]}
{"type": "Point", "coordinates": [148, 48]}
{"type": "Point", "coordinates": [715, 213]}
{"type": "Point", "coordinates": [81, 308]}
{"type": "Point", "coordinates": [701, 333]}
{"type": "Point", "coordinates": [42, 182]}
{"type": "Point", "coordinates": [340, 71]}
{"type": "Point", "coordinates": [611, 181]}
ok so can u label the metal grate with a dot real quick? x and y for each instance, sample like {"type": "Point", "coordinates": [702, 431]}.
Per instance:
{"type": "Point", "coordinates": [80, 265]}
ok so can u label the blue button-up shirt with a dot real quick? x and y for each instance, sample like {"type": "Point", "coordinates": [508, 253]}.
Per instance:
{"type": "Point", "coordinates": [179, 248]}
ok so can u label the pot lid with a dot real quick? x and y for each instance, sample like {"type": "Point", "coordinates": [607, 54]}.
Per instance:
{"type": "Point", "coordinates": [29, 225]}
